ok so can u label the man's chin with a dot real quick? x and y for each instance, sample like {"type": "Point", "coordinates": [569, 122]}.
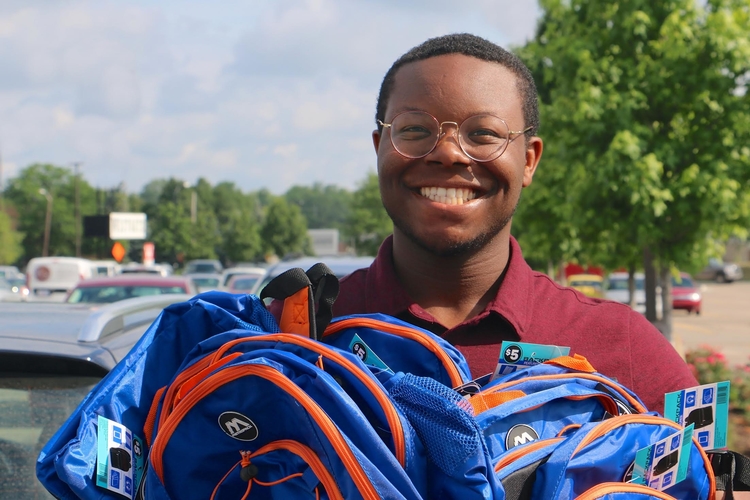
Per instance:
{"type": "Point", "coordinates": [447, 247]}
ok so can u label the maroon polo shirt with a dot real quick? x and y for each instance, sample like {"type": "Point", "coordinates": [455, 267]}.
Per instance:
{"type": "Point", "coordinates": [530, 307]}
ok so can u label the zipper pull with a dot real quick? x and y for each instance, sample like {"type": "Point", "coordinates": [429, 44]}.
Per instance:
{"type": "Point", "coordinates": [248, 471]}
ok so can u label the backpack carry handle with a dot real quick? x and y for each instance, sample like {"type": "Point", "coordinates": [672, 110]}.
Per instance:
{"type": "Point", "coordinates": [325, 289]}
{"type": "Point", "coordinates": [294, 289]}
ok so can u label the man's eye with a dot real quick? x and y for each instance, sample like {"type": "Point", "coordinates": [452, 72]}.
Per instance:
{"type": "Point", "coordinates": [485, 135]}
{"type": "Point", "coordinates": [413, 132]}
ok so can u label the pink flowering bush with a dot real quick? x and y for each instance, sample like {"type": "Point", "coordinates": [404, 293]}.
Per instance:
{"type": "Point", "coordinates": [709, 366]}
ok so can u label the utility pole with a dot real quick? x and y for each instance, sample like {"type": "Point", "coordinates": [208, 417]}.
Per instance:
{"type": "Point", "coordinates": [77, 164]}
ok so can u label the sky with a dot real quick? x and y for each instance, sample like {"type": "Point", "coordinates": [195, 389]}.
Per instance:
{"type": "Point", "coordinates": [263, 93]}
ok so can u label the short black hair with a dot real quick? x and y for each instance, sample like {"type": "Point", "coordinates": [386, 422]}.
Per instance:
{"type": "Point", "coordinates": [472, 46]}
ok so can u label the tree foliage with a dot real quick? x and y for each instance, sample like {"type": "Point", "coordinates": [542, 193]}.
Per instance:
{"type": "Point", "coordinates": [284, 230]}
{"type": "Point", "coordinates": [646, 124]}
{"type": "Point", "coordinates": [322, 206]}
{"type": "Point", "coordinates": [368, 224]}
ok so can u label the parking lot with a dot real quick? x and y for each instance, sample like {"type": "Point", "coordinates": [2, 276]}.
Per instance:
{"type": "Point", "coordinates": [723, 324]}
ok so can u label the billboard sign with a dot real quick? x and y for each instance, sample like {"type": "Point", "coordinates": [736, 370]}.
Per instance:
{"type": "Point", "coordinates": [127, 226]}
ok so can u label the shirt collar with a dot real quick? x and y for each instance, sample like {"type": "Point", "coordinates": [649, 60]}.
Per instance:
{"type": "Point", "coordinates": [514, 299]}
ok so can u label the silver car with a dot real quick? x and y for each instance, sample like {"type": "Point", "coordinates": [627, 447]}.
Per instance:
{"type": "Point", "coordinates": [51, 356]}
{"type": "Point", "coordinates": [720, 272]}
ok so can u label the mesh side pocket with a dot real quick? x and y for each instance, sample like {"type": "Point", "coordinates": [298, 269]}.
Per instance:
{"type": "Point", "coordinates": [442, 419]}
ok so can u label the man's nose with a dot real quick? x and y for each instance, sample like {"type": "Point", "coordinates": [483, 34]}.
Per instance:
{"type": "Point", "coordinates": [448, 149]}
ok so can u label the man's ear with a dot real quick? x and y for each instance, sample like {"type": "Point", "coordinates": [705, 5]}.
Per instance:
{"type": "Point", "coordinates": [376, 139]}
{"type": "Point", "coordinates": [533, 155]}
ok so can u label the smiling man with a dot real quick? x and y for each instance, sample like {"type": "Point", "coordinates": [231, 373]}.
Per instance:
{"type": "Point", "coordinates": [456, 143]}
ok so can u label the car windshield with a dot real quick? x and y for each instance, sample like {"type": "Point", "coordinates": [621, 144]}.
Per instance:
{"type": "Point", "coordinates": [244, 284]}
{"type": "Point", "coordinates": [683, 281]}
{"type": "Point", "coordinates": [112, 293]}
{"type": "Point", "coordinates": [32, 409]}
{"type": "Point", "coordinates": [622, 284]}
{"type": "Point", "coordinates": [206, 282]}
{"type": "Point", "coordinates": [594, 284]}
{"type": "Point", "coordinates": [201, 268]}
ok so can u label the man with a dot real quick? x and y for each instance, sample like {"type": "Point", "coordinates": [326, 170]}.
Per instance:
{"type": "Point", "coordinates": [456, 143]}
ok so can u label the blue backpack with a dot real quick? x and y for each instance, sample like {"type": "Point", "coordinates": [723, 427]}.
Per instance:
{"type": "Point", "coordinates": [604, 452]}
{"type": "Point", "coordinates": [371, 401]}
{"type": "Point", "coordinates": [66, 464]}
{"type": "Point", "coordinates": [274, 425]}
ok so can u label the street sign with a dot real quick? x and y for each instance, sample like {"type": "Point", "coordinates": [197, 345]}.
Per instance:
{"type": "Point", "coordinates": [118, 251]}
{"type": "Point", "coordinates": [127, 226]}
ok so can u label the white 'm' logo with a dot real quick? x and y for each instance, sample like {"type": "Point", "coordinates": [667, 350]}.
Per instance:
{"type": "Point", "coordinates": [236, 426]}
{"type": "Point", "coordinates": [523, 439]}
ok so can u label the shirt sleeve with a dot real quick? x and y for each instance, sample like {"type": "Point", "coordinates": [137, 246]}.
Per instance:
{"type": "Point", "coordinates": [657, 368]}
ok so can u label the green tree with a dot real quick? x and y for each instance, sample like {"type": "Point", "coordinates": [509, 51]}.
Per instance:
{"type": "Point", "coordinates": [647, 121]}
{"type": "Point", "coordinates": [10, 241]}
{"type": "Point", "coordinates": [23, 192]}
{"type": "Point", "coordinates": [323, 206]}
{"type": "Point", "coordinates": [284, 230]}
{"type": "Point", "coordinates": [368, 224]}
{"type": "Point", "coordinates": [238, 217]}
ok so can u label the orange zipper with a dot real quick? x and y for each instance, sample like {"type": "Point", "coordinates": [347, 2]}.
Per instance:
{"type": "Point", "coordinates": [633, 402]}
{"type": "Point", "coordinates": [605, 488]}
{"type": "Point", "coordinates": [391, 415]}
{"type": "Point", "coordinates": [515, 453]}
{"type": "Point", "coordinates": [606, 400]}
{"type": "Point", "coordinates": [614, 423]}
{"type": "Point", "coordinates": [232, 373]}
{"type": "Point", "coordinates": [402, 331]}
{"type": "Point", "coordinates": [309, 456]}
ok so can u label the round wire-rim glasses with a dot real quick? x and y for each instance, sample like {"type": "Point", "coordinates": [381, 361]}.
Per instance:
{"type": "Point", "coordinates": [483, 137]}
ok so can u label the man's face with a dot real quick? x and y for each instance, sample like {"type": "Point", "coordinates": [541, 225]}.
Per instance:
{"type": "Point", "coordinates": [453, 88]}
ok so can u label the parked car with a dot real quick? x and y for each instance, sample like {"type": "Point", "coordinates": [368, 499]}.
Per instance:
{"type": "Point", "coordinates": [51, 278]}
{"type": "Point", "coordinates": [138, 268]}
{"type": "Point", "coordinates": [686, 294]}
{"type": "Point", "coordinates": [617, 290]}
{"type": "Point", "coordinates": [591, 285]}
{"type": "Point", "coordinates": [204, 282]}
{"type": "Point", "coordinates": [227, 273]}
{"type": "Point", "coordinates": [243, 283]}
{"type": "Point", "coordinates": [203, 266]}
{"type": "Point", "coordinates": [720, 272]}
{"type": "Point", "coordinates": [341, 265]}
{"type": "Point", "coordinates": [10, 272]}
{"type": "Point", "coordinates": [109, 289]}
{"type": "Point", "coordinates": [18, 286]}
{"type": "Point", "coordinates": [51, 356]}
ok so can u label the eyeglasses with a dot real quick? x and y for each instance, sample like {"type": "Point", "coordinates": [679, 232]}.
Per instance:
{"type": "Point", "coordinates": [415, 134]}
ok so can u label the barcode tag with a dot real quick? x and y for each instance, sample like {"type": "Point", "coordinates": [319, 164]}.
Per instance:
{"type": "Point", "coordinates": [706, 407]}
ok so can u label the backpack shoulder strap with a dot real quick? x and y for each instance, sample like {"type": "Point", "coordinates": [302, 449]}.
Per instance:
{"type": "Point", "coordinates": [732, 471]}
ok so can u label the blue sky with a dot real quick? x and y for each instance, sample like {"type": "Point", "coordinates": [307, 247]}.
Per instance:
{"type": "Point", "coordinates": [266, 94]}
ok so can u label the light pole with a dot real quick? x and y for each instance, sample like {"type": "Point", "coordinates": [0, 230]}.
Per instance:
{"type": "Point", "coordinates": [47, 221]}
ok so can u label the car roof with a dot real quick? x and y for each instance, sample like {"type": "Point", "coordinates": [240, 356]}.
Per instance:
{"type": "Point", "coordinates": [87, 333]}
{"type": "Point", "coordinates": [340, 265]}
{"type": "Point", "coordinates": [133, 279]}
{"type": "Point", "coordinates": [590, 277]}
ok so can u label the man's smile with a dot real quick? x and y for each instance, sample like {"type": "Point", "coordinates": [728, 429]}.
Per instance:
{"type": "Point", "coordinates": [448, 196]}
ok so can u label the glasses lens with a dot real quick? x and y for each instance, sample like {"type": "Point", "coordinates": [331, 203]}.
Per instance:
{"type": "Point", "coordinates": [484, 137]}
{"type": "Point", "coordinates": [414, 133]}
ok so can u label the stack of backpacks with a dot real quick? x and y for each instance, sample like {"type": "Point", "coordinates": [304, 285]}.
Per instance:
{"type": "Point", "coordinates": [220, 401]}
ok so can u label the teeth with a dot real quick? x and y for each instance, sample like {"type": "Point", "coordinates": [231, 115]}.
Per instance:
{"type": "Point", "coordinates": [448, 196]}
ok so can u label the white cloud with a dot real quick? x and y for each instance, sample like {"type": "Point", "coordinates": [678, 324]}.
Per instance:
{"type": "Point", "coordinates": [264, 93]}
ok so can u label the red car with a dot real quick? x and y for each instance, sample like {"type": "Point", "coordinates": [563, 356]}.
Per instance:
{"type": "Point", "coordinates": [686, 294]}
{"type": "Point", "coordinates": [125, 286]}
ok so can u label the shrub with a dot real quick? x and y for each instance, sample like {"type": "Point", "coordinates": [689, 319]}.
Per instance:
{"type": "Point", "coordinates": [709, 366]}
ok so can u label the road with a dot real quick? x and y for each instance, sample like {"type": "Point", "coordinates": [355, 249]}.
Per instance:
{"type": "Point", "coordinates": [724, 322]}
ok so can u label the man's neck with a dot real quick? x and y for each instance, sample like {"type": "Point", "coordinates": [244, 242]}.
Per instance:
{"type": "Point", "coordinates": [452, 289]}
